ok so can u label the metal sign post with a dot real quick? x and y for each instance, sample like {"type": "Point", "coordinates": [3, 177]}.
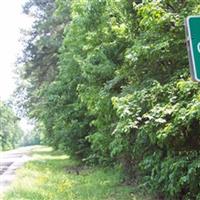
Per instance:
{"type": "Point", "coordinates": [193, 45]}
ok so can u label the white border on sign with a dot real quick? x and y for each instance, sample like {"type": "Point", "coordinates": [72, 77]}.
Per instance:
{"type": "Point", "coordinates": [191, 46]}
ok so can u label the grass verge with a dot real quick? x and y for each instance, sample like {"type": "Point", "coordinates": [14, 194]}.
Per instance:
{"type": "Point", "coordinates": [55, 176]}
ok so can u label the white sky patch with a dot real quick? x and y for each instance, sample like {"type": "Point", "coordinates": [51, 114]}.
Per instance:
{"type": "Point", "coordinates": [11, 21]}
{"type": "Point", "coordinates": [26, 125]}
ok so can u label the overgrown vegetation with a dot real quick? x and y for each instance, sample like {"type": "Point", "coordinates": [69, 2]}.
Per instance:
{"type": "Point", "coordinates": [10, 131]}
{"type": "Point", "coordinates": [108, 81]}
{"type": "Point", "coordinates": [52, 175]}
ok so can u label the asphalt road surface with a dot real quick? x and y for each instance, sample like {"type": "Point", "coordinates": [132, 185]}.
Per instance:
{"type": "Point", "coordinates": [9, 162]}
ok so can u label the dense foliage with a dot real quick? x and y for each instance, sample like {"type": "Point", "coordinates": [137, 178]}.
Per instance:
{"type": "Point", "coordinates": [10, 131]}
{"type": "Point", "coordinates": [108, 80]}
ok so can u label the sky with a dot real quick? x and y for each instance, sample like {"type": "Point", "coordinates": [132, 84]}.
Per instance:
{"type": "Point", "coordinates": [11, 21]}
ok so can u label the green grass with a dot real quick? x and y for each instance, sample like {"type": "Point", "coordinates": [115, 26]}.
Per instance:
{"type": "Point", "coordinates": [52, 176]}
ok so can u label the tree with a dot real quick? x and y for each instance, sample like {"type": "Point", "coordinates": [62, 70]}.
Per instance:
{"type": "Point", "coordinates": [10, 131]}
{"type": "Point", "coordinates": [115, 88]}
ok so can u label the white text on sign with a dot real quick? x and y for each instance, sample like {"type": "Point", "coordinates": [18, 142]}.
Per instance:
{"type": "Point", "coordinates": [198, 47]}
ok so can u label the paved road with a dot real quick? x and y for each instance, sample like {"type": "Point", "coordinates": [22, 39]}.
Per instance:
{"type": "Point", "coordinates": [9, 162]}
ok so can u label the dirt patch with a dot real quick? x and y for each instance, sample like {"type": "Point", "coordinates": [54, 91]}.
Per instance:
{"type": "Point", "coordinates": [79, 169]}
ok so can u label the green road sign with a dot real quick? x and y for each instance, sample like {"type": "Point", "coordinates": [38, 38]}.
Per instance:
{"type": "Point", "coordinates": [193, 44]}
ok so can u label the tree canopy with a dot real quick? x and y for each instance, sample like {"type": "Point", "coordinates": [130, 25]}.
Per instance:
{"type": "Point", "coordinates": [10, 131]}
{"type": "Point", "coordinates": [109, 82]}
